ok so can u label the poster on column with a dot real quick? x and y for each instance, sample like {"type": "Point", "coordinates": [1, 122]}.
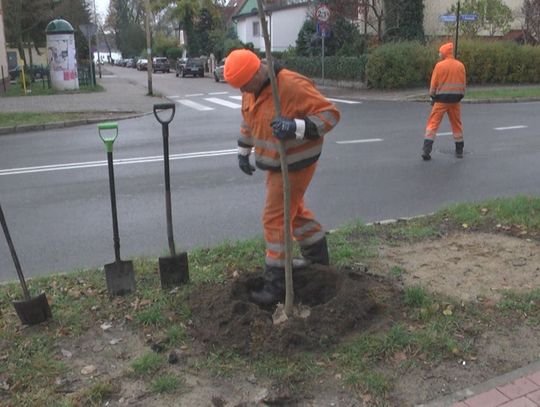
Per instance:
{"type": "Point", "coordinates": [62, 61]}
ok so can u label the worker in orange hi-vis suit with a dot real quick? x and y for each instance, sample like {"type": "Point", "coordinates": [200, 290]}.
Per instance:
{"type": "Point", "coordinates": [306, 116]}
{"type": "Point", "coordinates": [447, 88]}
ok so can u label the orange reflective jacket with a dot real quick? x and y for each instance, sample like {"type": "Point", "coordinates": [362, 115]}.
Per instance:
{"type": "Point", "coordinates": [299, 100]}
{"type": "Point", "coordinates": [448, 81]}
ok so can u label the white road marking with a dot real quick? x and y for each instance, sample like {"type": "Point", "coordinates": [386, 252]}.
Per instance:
{"type": "Point", "coordinates": [194, 105]}
{"type": "Point", "coordinates": [225, 103]}
{"type": "Point", "coordinates": [350, 102]}
{"type": "Point", "coordinates": [137, 160]}
{"type": "Point", "coordinates": [366, 140]}
{"type": "Point", "coordinates": [218, 93]}
{"type": "Point", "coordinates": [173, 97]}
{"type": "Point", "coordinates": [448, 133]}
{"type": "Point", "coordinates": [194, 94]}
{"type": "Point", "coordinates": [509, 128]}
{"type": "Point", "coordinates": [237, 97]}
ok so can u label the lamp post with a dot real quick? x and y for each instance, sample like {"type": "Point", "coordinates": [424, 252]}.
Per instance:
{"type": "Point", "coordinates": [457, 29]}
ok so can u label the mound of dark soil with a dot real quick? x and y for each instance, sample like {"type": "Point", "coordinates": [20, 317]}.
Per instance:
{"type": "Point", "coordinates": [340, 301]}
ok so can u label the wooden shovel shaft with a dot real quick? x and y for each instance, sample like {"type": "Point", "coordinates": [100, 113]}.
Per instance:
{"type": "Point", "coordinates": [289, 292]}
{"type": "Point", "coordinates": [14, 255]}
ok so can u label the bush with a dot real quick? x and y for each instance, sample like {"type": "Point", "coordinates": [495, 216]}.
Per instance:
{"type": "Point", "coordinates": [338, 68]}
{"type": "Point", "coordinates": [400, 65]}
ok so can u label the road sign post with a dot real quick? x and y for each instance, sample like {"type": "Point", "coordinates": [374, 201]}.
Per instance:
{"type": "Point", "coordinates": [323, 15]}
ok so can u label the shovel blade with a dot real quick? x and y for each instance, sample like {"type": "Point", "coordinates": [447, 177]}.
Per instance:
{"type": "Point", "coordinates": [33, 311]}
{"type": "Point", "coordinates": [120, 277]}
{"type": "Point", "coordinates": [174, 270]}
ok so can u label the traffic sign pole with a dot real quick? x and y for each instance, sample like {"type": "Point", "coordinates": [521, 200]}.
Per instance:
{"type": "Point", "coordinates": [457, 30]}
{"type": "Point", "coordinates": [323, 15]}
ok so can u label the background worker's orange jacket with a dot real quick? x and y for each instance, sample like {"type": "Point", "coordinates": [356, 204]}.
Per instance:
{"type": "Point", "coordinates": [299, 100]}
{"type": "Point", "coordinates": [448, 80]}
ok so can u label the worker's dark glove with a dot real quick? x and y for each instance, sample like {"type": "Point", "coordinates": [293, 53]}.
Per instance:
{"type": "Point", "coordinates": [432, 100]}
{"type": "Point", "coordinates": [245, 166]}
{"type": "Point", "coordinates": [283, 128]}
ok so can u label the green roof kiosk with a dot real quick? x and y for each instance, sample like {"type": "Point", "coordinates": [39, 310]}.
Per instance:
{"type": "Point", "coordinates": [61, 55]}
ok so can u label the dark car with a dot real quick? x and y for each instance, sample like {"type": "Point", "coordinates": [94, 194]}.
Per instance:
{"type": "Point", "coordinates": [161, 64]}
{"type": "Point", "coordinates": [218, 71]}
{"type": "Point", "coordinates": [194, 66]}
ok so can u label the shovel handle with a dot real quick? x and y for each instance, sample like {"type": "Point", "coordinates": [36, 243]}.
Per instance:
{"type": "Point", "coordinates": [110, 137]}
{"type": "Point", "coordinates": [160, 107]}
{"type": "Point", "coordinates": [14, 255]}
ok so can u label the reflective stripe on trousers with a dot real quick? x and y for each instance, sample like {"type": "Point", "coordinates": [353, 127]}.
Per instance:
{"type": "Point", "coordinates": [305, 229]}
{"type": "Point", "coordinates": [435, 118]}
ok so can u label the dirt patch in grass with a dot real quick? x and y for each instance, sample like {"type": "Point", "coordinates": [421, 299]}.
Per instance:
{"type": "Point", "coordinates": [468, 266]}
{"type": "Point", "coordinates": [339, 301]}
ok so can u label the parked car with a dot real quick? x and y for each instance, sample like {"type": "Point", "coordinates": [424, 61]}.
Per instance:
{"type": "Point", "coordinates": [195, 67]}
{"type": "Point", "coordinates": [142, 64]}
{"type": "Point", "coordinates": [130, 63]}
{"type": "Point", "coordinates": [161, 64]}
{"type": "Point", "coordinates": [37, 71]}
{"type": "Point", "coordinates": [180, 65]}
{"type": "Point", "coordinates": [218, 71]}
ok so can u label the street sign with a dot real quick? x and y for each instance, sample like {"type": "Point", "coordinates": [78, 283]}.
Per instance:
{"type": "Point", "coordinates": [323, 30]}
{"type": "Point", "coordinates": [469, 17]}
{"type": "Point", "coordinates": [448, 18]}
{"type": "Point", "coordinates": [322, 13]}
{"type": "Point", "coordinates": [88, 30]}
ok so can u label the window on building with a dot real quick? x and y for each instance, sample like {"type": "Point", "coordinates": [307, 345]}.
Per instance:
{"type": "Point", "coordinates": [256, 29]}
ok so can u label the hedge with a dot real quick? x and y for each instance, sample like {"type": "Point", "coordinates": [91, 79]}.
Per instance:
{"type": "Point", "coordinates": [410, 64]}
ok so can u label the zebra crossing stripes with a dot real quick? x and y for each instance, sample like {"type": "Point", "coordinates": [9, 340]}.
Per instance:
{"type": "Point", "coordinates": [201, 105]}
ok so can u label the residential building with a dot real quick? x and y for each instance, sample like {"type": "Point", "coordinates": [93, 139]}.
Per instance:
{"type": "Point", "coordinates": [286, 17]}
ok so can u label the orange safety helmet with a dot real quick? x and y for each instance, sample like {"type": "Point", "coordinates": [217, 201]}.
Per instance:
{"type": "Point", "coordinates": [240, 67]}
{"type": "Point", "coordinates": [447, 50]}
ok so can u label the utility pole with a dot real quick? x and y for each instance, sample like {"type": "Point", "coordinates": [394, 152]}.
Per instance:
{"type": "Point", "coordinates": [148, 47]}
{"type": "Point", "coordinates": [457, 29]}
{"type": "Point", "coordinates": [97, 40]}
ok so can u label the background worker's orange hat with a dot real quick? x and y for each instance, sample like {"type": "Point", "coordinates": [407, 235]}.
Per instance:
{"type": "Point", "coordinates": [240, 66]}
{"type": "Point", "coordinates": [447, 50]}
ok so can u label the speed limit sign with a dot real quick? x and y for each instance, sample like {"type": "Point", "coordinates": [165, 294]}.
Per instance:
{"type": "Point", "coordinates": [322, 13]}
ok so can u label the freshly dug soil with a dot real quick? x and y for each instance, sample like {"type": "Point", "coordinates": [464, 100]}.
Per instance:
{"type": "Point", "coordinates": [340, 301]}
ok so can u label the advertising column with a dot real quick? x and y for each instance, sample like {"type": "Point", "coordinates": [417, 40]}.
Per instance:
{"type": "Point", "coordinates": [61, 55]}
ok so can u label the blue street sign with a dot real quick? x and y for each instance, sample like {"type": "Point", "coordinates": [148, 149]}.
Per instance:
{"type": "Point", "coordinates": [448, 18]}
{"type": "Point", "coordinates": [323, 30]}
{"type": "Point", "coordinates": [469, 17]}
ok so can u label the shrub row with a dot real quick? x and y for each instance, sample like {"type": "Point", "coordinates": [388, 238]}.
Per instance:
{"type": "Point", "coordinates": [409, 64]}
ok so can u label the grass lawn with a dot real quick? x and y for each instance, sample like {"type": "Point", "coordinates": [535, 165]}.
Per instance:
{"type": "Point", "coordinates": [18, 119]}
{"type": "Point", "coordinates": [97, 349]}
{"type": "Point", "coordinates": [40, 87]}
{"type": "Point", "coordinates": [503, 93]}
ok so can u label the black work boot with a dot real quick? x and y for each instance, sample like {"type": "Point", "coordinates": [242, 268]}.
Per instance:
{"type": "Point", "coordinates": [459, 149]}
{"type": "Point", "coordinates": [317, 253]}
{"type": "Point", "coordinates": [426, 150]}
{"type": "Point", "coordinates": [273, 290]}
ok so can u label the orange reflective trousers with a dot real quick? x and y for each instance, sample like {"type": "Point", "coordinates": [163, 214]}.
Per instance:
{"type": "Point", "coordinates": [305, 229]}
{"type": "Point", "coordinates": [435, 118]}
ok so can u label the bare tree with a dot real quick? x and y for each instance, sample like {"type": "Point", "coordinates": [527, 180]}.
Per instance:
{"type": "Point", "coordinates": [531, 20]}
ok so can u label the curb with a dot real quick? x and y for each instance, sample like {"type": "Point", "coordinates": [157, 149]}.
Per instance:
{"type": "Point", "coordinates": [483, 387]}
{"type": "Point", "coordinates": [24, 128]}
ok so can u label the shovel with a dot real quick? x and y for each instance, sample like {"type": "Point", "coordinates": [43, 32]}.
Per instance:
{"type": "Point", "coordinates": [119, 275]}
{"type": "Point", "coordinates": [34, 310]}
{"type": "Point", "coordinates": [173, 269]}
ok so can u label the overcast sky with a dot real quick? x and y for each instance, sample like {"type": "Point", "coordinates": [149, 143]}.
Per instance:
{"type": "Point", "coordinates": [101, 7]}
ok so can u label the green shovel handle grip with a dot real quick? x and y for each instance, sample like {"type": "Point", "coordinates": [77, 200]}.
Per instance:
{"type": "Point", "coordinates": [109, 139]}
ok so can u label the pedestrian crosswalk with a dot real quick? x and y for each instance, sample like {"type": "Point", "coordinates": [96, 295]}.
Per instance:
{"type": "Point", "coordinates": [216, 100]}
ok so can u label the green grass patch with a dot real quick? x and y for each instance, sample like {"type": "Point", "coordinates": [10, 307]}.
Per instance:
{"type": "Point", "coordinates": [503, 93]}
{"type": "Point", "coordinates": [167, 383]}
{"type": "Point", "coordinates": [221, 363]}
{"type": "Point", "coordinates": [20, 119]}
{"type": "Point", "coordinates": [527, 303]}
{"type": "Point", "coordinates": [147, 364]}
{"type": "Point", "coordinates": [96, 394]}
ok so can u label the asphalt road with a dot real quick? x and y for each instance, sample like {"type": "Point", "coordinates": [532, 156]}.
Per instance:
{"type": "Point", "coordinates": [55, 193]}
